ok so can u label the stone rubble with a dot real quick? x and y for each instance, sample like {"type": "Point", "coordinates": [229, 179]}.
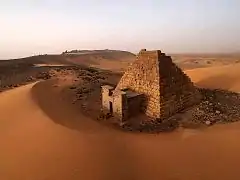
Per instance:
{"type": "Point", "coordinates": [218, 106]}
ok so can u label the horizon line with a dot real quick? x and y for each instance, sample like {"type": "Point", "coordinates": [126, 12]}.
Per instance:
{"type": "Point", "coordinates": [133, 52]}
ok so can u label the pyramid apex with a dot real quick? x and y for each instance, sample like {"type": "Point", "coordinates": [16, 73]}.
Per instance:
{"type": "Point", "coordinates": [142, 50]}
{"type": "Point", "coordinates": [153, 52]}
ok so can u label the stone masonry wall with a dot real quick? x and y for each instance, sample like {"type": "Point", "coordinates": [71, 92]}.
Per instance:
{"type": "Point", "coordinates": [118, 100]}
{"type": "Point", "coordinates": [120, 106]}
{"type": "Point", "coordinates": [143, 77]}
{"type": "Point", "coordinates": [166, 88]}
{"type": "Point", "coordinates": [177, 92]}
{"type": "Point", "coordinates": [106, 97]}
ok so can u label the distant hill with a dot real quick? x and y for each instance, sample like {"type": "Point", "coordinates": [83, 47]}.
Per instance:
{"type": "Point", "coordinates": [40, 59]}
{"type": "Point", "coordinates": [105, 59]}
{"type": "Point", "coordinates": [92, 56]}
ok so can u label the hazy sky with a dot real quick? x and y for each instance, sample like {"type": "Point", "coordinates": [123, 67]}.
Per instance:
{"type": "Point", "coordinates": [29, 27]}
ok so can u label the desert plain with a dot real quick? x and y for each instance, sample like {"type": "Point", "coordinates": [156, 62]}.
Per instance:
{"type": "Point", "coordinates": [47, 132]}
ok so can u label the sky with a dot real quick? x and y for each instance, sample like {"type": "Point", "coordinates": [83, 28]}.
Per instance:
{"type": "Point", "coordinates": [32, 27]}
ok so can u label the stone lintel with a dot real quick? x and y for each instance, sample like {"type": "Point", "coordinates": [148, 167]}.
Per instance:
{"type": "Point", "coordinates": [107, 90]}
{"type": "Point", "coordinates": [107, 87]}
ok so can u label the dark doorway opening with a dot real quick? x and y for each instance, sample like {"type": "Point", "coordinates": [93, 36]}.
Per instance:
{"type": "Point", "coordinates": [110, 107]}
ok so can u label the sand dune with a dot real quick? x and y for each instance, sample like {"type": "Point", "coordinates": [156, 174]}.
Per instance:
{"type": "Point", "coordinates": [34, 146]}
{"type": "Point", "coordinates": [225, 77]}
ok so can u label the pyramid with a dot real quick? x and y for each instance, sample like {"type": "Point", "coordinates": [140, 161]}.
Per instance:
{"type": "Point", "coordinates": [166, 88]}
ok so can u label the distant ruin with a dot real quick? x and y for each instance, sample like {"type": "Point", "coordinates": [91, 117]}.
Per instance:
{"type": "Point", "coordinates": [152, 85]}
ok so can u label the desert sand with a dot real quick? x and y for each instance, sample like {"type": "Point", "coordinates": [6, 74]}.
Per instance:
{"type": "Point", "coordinates": [225, 77]}
{"type": "Point", "coordinates": [33, 146]}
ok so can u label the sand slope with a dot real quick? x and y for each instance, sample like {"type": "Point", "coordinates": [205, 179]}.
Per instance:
{"type": "Point", "coordinates": [225, 77]}
{"type": "Point", "coordinates": [35, 146]}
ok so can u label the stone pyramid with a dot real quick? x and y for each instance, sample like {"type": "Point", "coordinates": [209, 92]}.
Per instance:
{"type": "Point", "coordinates": [166, 87]}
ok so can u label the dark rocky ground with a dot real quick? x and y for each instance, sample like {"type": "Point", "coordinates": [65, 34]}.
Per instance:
{"type": "Point", "coordinates": [14, 73]}
{"type": "Point", "coordinates": [16, 77]}
{"type": "Point", "coordinates": [21, 75]}
{"type": "Point", "coordinates": [17, 72]}
{"type": "Point", "coordinates": [217, 106]}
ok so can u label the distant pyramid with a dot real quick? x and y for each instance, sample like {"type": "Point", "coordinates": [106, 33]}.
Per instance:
{"type": "Point", "coordinates": [166, 88]}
